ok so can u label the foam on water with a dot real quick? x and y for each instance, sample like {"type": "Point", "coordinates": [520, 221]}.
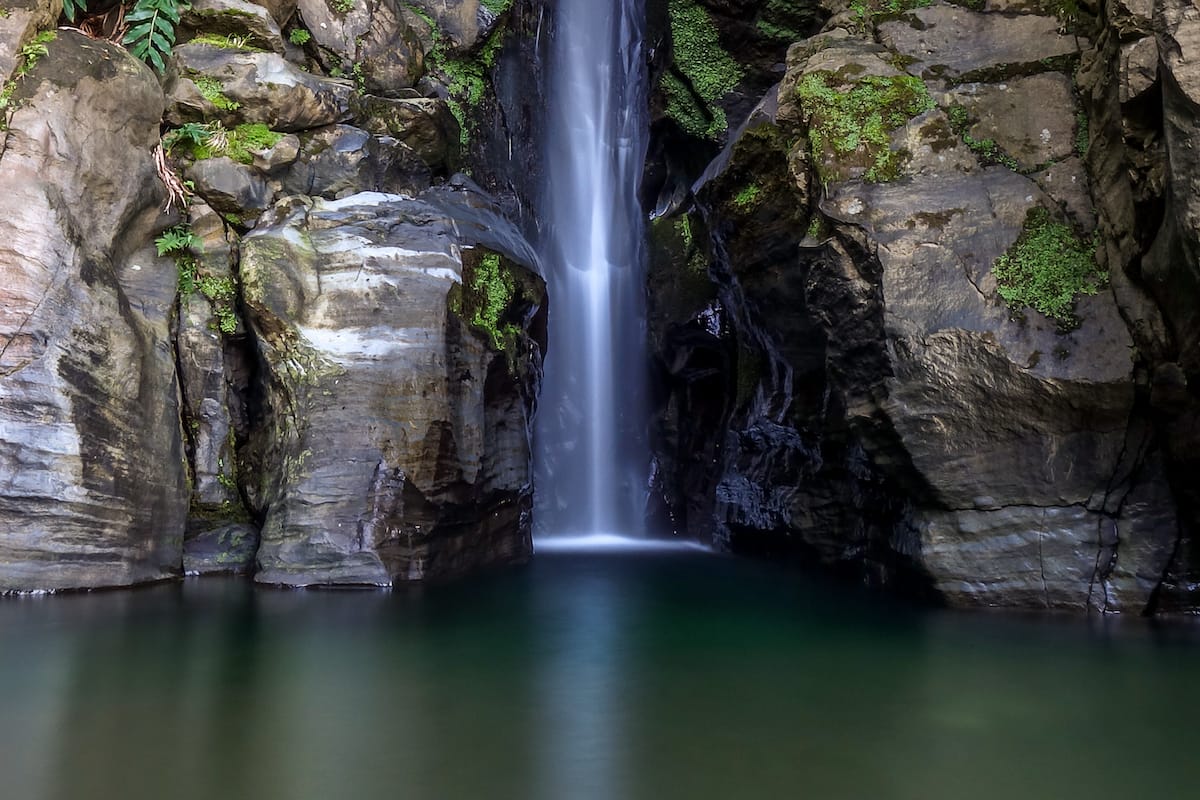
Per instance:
{"type": "Point", "coordinates": [610, 542]}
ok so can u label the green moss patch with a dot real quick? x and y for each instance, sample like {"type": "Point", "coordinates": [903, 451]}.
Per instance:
{"type": "Point", "coordinates": [226, 42]}
{"type": "Point", "coordinates": [707, 72]}
{"type": "Point", "coordinates": [1047, 268]}
{"type": "Point", "coordinates": [491, 300]}
{"type": "Point", "coordinates": [214, 92]}
{"type": "Point", "coordinates": [850, 120]}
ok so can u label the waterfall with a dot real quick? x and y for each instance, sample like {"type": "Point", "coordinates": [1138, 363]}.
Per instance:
{"type": "Point", "coordinates": [591, 439]}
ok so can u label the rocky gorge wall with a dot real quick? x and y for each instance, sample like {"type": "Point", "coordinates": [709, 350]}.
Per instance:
{"type": "Point", "coordinates": [934, 294]}
{"type": "Point", "coordinates": [921, 295]}
{"type": "Point", "coordinates": [253, 319]}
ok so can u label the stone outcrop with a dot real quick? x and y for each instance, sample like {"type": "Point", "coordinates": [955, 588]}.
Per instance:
{"type": "Point", "coordinates": [92, 480]}
{"type": "Point", "coordinates": [395, 444]}
{"type": "Point", "coordinates": [885, 410]}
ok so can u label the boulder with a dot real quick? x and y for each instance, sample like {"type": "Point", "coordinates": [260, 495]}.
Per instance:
{"type": "Point", "coordinates": [93, 489]}
{"type": "Point", "coordinates": [424, 124]}
{"type": "Point", "coordinates": [206, 82]}
{"type": "Point", "coordinates": [237, 19]}
{"type": "Point", "coordinates": [370, 41]}
{"type": "Point", "coordinates": [399, 382]}
{"type": "Point", "coordinates": [341, 160]}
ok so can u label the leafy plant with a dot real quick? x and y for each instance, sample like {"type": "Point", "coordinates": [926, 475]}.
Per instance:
{"type": "Point", "coordinates": [190, 134]}
{"type": "Point", "coordinates": [72, 8]}
{"type": "Point", "coordinates": [151, 31]}
{"type": "Point", "coordinates": [177, 241]}
{"type": "Point", "coordinates": [299, 37]}
{"type": "Point", "coordinates": [1047, 268]}
{"type": "Point", "coordinates": [851, 123]}
{"type": "Point", "coordinates": [342, 6]}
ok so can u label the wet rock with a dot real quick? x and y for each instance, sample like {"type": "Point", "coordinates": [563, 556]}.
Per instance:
{"type": "Point", "coordinates": [229, 548]}
{"type": "Point", "coordinates": [245, 86]}
{"type": "Point", "coordinates": [237, 19]}
{"type": "Point", "coordinates": [371, 42]}
{"type": "Point", "coordinates": [395, 445]}
{"type": "Point", "coordinates": [341, 160]}
{"type": "Point", "coordinates": [92, 480]}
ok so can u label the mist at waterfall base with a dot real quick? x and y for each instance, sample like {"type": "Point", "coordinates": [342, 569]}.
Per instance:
{"type": "Point", "coordinates": [664, 676]}
{"type": "Point", "coordinates": [591, 454]}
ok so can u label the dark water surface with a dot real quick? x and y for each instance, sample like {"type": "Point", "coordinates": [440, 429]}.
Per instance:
{"type": "Point", "coordinates": [680, 675]}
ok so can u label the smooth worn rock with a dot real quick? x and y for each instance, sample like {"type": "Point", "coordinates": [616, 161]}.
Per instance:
{"type": "Point", "coordinates": [396, 445]}
{"type": "Point", "coordinates": [92, 480]}
{"type": "Point", "coordinates": [252, 87]}
{"type": "Point", "coordinates": [371, 41]}
{"type": "Point", "coordinates": [341, 160]}
{"type": "Point", "coordinates": [230, 187]}
{"type": "Point", "coordinates": [237, 19]}
{"type": "Point", "coordinates": [458, 21]}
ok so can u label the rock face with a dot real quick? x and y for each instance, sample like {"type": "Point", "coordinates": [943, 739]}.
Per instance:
{"type": "Point", "coordinates": [93, 489]}
{"type": "Point", "coordinates": [150, 422]}
{"type": "Point", "coordinates": [395, 445]}
{"type": "Point", "coordinates": [885, 410]}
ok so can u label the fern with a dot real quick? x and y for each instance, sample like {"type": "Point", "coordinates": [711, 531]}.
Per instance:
{"type": "Point", "coordinates": [72, 8]}
{"type": "Point", "coordinates": [151, 31]}
{"type": "Point", "coordinates": [177, 241]}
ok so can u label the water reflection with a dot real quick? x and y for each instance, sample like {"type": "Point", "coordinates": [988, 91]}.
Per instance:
{"type": "Point", "coordinates": [656, 675]}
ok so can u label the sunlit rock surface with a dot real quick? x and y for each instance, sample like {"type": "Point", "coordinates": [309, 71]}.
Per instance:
{"type": "Point", "coordinates": [394, 444]}
{"type": "Point", "coordinates": [92, 480]}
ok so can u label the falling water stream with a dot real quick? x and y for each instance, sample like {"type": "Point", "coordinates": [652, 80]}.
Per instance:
{"type": "Point", "coordinates": [592, 456]}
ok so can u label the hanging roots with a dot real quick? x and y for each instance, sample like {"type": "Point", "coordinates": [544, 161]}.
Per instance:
{"type": "Point", "coordinates": [176, 191]}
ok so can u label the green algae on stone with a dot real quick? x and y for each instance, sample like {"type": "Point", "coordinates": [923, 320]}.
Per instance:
{"type": "Point", "coordinates": [1047, 268]}
{"type": "Point", "coordinates": [850, 120]}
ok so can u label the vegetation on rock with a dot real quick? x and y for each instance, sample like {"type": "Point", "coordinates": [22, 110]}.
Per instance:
{"type": "Point", "coordinates": [1047, 268]}
{"type": "Point", "coordinates": [850, 121]}
{"type": "Point", "coordinates": [707, 72]}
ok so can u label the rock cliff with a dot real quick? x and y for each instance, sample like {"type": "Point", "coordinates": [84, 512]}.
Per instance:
{"type": "Point", "coordinates": [249, 322]}
{"type": "Point", "coordinates": [899, 337]}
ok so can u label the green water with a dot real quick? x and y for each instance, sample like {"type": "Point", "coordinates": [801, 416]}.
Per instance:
{"type": "Point", "coordinates": [679, 675]}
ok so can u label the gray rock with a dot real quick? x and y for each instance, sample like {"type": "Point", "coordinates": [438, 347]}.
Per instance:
{"type": "Point", "coordinates": [237, 18]}
{"type": "Point", "coordinates": [230, 187]}
{"type": "Point", "coordinates": [229, 548]}
{"type": "Point", "coordinates": [396, 446]}
{"type": "Point", "coordinates": [19, 24]}
{"type": "Point", "coordinates": [1032, 119]}
{"type": "Point", "coordinates": [458, 21]}
{"type": "Point", "coordinates": [341, 160]}
{"type": "Point", "coordinates": [92, 479]}
{"type": "Point", "coordinates": [423, 124]}
{"type": "Point", "coordinates": [1139, 68]}
{"type": "Point", "coordinates": [1067, 184]}
{"type": "Point", "coordinates": [371, 41]}
{"type": "Point", "coordinates": [947, 41]}
{"type": "Point", "coordinates": [257, 87]}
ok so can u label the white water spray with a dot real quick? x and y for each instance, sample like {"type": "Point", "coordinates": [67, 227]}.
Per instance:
{"type": "Point", "coordinates": [592, 456]}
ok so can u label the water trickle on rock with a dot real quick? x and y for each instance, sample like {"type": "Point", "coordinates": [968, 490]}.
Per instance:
{"type": "Point", "coordinates": [592, 453]}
